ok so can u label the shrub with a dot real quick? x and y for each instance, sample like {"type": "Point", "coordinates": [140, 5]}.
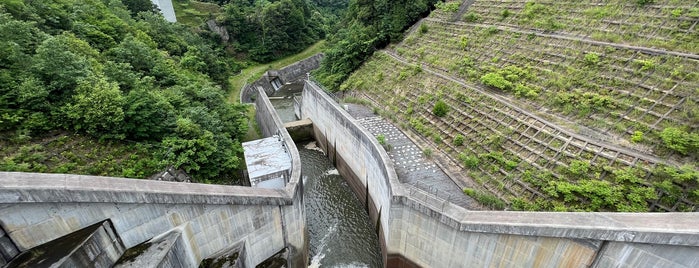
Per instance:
{"type": "Point", "coordinates": [471, 17]}
{"type": "Point", "coordinates": [470, 161]}
{"type": "Point", "coordinates": [463, 43]}
{"type": "Point", "coordinates": [637, 136]}
{"type": "Point", "coordinates": [505, 13]}
{"type": "Point", "coordinates": [492, 30]}
{"type": "Point", "coordinates": [448, 6]}
{"type": "Point", "coordinates": [591, 59]}
{"type": "Point", "coordinates": [459, 140]}
{"type": "Point", "coordinates": [679, 140]}
{"type": "Point", "coordinates": [579, 168]}
{"type": "Point", "coordinates": [486, 199]}
{"type": "Point", "coordinates": [496, 80]}
{"type": "Point", "coordinates": [645, 65]}
{"type": "Point", "coordinates": [437, 139]}
{"type": "Point", "coordinates": [440, 108]}
{"type": "Point", "coordinates": [423, 29]}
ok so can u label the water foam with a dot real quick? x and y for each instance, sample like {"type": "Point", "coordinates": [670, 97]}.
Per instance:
{"type": "Point", "coordinates": [315, 261]}
{"type": "Point", "coordinates": [312, 146]}
{"type": "Point", "coordinates": [331, 172]}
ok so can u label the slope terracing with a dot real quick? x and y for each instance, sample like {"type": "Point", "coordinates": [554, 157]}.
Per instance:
{"type": "Point", "coordinates": [555, 105]}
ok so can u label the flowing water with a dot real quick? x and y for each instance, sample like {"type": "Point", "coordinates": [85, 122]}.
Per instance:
{"type": "Point", "coordinates": [341, 234]}
{"type": "Point", "coordinates": [339, 228]}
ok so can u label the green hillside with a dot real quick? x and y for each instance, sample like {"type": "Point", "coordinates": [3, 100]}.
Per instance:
{"type": "Point", "coordinates": [553, 105]}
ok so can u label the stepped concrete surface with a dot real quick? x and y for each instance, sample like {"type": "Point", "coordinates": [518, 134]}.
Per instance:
{"type": "Point", "coordinates": [93, 246]}
{"type": "Point", "coordinates": [165, 250]}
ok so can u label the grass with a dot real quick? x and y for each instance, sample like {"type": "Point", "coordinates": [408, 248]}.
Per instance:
{"type": "Point", "coordinates": [64, 152]}
{"type": "Point", "coordinates": [255, 71]}
{"type": "Point", "coordinates": [254, 132]}
{"type": "Point", "coordinates": [194, 13]}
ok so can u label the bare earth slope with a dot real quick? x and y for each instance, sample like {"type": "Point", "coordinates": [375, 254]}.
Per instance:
{"type": "Point", "coordinates": [554, 105]}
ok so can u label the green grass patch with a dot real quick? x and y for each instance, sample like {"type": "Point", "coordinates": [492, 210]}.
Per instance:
{"type": "Point", "coordinates": [63, 152]}
{"type": "Point", "coordinates": [254, 132]}
{"type": "Point", "coordinates": [486, 199]}
{"type": "Point", "coordinates": [255, 71]}
{"type": "Point", "coordinates": [194, 13]}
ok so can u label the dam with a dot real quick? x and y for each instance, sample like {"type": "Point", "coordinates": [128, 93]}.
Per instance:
{"type": "Point", "coordinates": [414, 227]}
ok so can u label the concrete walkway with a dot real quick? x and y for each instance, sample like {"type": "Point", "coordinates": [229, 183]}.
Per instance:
{"type": "Point", "coordinates": [412, 167]}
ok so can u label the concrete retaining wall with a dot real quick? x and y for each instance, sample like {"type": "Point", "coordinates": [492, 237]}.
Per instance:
{"type": "Point", "coordinates": [419, 229]}
{"type": "Point", "coordinates": [37, 208]}
{"type": "Point", "coordinates": [288, 74]}
{"type": "Point", "coordinates": [165, 7]}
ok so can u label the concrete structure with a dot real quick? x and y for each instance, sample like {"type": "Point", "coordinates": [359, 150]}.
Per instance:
{"type": "Point", "coordinates": [419, 229]}
{"type": "Point", "coordinates": [268, 162]}
{"type": "Point", "coordinates": [301, 130]}
{"type": "Point", "coordinates": [38, 208]}
{"type": "Point", "coordinates": [96, 245]}
{"type": "Point", "coordinates": [165, 7]}
{"type": "Point", "coordinates": [274, 79]}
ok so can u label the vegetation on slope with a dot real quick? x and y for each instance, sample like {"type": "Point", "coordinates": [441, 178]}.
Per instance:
{"type": "Point", "coordinates": [89, 67]}
{"type": "Point", "coordinates": [367, 26]}
{"type": "Point", "coordinates": [139, 92]}
{"type": "Point", "coordinates": [543, 117]}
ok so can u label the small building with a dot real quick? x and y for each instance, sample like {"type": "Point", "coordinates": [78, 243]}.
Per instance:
{"type": "Point", "coordinates": [268, 162]}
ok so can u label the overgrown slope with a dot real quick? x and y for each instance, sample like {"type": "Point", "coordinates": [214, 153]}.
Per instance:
{"type": "Point", "coordinates": [90, 67]}
{"type": "Point", "coordinates": [554, 105]}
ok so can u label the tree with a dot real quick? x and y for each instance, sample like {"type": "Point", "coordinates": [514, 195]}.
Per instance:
{"type": "Point", "coordinates": [61, 62]}
{"type": "Point", "coordinates": [137, 6]}
{"type": "Point", "coordinates": [97, 108]}
{"type": "Point", "coordinates": [148, 115]}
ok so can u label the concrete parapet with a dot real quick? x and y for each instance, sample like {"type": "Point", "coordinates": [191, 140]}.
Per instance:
{"type": "Point", "coordinates": [37, 208]}
{"type": "Point", "coordinates": [419, 229]}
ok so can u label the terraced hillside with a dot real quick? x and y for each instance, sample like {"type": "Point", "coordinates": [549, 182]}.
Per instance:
{"type": "Point", "coordinates": [553, 105]}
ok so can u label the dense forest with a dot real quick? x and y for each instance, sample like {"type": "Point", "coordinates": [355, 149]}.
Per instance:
{"type": "Point", "coordinates": [117, 72]}
{"type": "Point", "coordinates": [367, 25]}
{"type": "Point", "coordinates": [108, 87]}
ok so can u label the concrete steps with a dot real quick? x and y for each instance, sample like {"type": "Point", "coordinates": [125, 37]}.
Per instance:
{"type": "Point", "coordinates": [93, 246]}
{"type": "Point", "coordinates": [165, 250]}
{"type": "Point", "coordinates": [99, 246]}
{"type": "Point", "coordinates": [233, 257]}
{"type": "Point", "coordinates": [8, 250]}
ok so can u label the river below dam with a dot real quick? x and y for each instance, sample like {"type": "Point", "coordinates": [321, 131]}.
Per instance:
{"type": "Point", "coordinates": [340, 232]}
{"type": "Point", "coordinates": [339, 229]}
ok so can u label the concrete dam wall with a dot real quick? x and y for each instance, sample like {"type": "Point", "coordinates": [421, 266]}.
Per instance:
{"type": "Point", "coordinates": [38, 208]}
{"type": "Point", "coordinates": [273, 79]}
{"type": "Point", "coordinates": [418, 229]}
